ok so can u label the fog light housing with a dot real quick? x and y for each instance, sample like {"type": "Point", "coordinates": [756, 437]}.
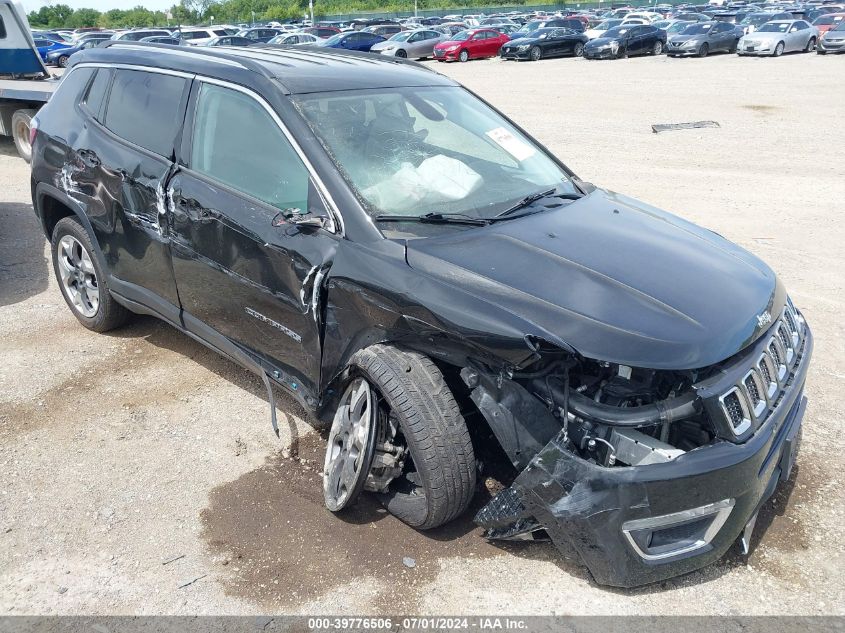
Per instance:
{"type": "Point", "coordinates": [677, 534]}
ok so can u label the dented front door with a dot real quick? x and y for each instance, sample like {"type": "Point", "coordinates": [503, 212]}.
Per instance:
{"type": "Point", "coordinates": [240, 267]}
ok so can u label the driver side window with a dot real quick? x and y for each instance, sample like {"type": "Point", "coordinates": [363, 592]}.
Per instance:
{"type": "Point", "coordinates": [271, 171]}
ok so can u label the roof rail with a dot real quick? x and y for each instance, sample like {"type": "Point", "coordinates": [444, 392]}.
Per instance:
{"type": "Point", "coordinates": [204, 53]}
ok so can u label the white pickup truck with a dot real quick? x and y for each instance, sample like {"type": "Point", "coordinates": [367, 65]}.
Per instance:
{"type": "Point", "coordinates": [25, 83]}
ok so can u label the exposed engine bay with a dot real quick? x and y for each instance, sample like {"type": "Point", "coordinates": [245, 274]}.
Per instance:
{"type": "Point", "coordinates": [616, 415]}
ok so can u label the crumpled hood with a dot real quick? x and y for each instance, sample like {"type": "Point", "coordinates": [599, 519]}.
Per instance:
{"type": "Point", "coordinates": [614, 278]}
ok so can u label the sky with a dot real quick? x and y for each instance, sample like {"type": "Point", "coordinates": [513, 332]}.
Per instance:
{"type": "Point", "coordinates": [101, 5]}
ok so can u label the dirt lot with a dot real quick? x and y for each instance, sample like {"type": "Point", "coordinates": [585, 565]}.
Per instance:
{"type": "Point", "coordinates": [121, 452]}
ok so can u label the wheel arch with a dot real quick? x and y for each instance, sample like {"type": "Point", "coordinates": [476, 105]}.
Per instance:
{"type": "Point", "coordinates": [52, 204]}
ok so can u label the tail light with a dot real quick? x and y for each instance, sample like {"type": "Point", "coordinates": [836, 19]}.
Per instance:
{"type": "Point", "coordinates": [33, 129]}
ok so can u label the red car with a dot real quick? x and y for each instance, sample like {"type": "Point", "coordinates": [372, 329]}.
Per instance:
{"type": "Point", "coordinates": [826, 22]}
{"type": "Point", "coordinates": [470, 44]}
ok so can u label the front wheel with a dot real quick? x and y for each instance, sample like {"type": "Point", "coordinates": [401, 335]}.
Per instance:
{"type": "Point", "coordinates": [463, 56]}
{"type": "Point", "coordinates": [401, 53]}
{"type": "Point", "coordinates": [82, 278]}
{"type": "Point", "coordinates": [427, 477]}
{"type": "Point", "coordinates": [657, 48]}
{"type": "Point", "coordinates": [779, 49]}
{"type": "Point", "coordinates": [704, 50]}
{"type": "Point", "coordinates": [810, 45]}
{"type": "Point", "coordinates": [536, 54]}
{"type": "Point", "coordinates": [63, 60]}
{"type": "Point", "coordinates": [579, 50]}
{"type": "Point", "coordinates": [733, 48]}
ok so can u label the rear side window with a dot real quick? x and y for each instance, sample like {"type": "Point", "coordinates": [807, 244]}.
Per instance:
{"type": "Point", "coordinates": [143, 108]}
{"type": "Point", "coordinates": [97, 92]}
{"type": "Point", "coordinates": [2, 29]}
{"type": "Point", "coordinates": [270, 171]}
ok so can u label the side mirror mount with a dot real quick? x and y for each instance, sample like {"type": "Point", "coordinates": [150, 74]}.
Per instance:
{"type": "Point", "coordinates": [297, 217]}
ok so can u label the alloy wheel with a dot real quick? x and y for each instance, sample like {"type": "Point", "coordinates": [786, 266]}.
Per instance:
{"type": "Point", "coordinates": [536, 54]}
{"type": "Point", "coordinates": [779, 49]}
{"type": "Point", "coordinates": [78, 277]}
{"type": "Point", "coordinates": [463, 56]}
{"type": "Point", "coordinates": [579, 49]}
{"type": "Point", "coordinates": [349, 453]}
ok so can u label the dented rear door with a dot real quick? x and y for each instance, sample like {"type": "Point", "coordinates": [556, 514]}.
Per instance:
{"type": "Point", "coordinates": [122, 161]}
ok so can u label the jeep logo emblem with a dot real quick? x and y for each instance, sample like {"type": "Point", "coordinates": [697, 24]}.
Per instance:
{"type": "Point", "coordinates": [764, 318]}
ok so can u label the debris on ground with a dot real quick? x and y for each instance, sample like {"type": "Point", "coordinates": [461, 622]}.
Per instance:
{"type": "Point", "coordinates": [665, 127]}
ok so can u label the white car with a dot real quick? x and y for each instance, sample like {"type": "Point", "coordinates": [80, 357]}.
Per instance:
{"type": "Point", "coordinates": [200, 34]}
{"type": "Point", "coordinates": [295, 39]}
{"type": "Point", "coordinates": [778, 37]}
{"type": "Point", "coordinates": [599, 29]}
{"type": "Point", "coordinates": [648, 16]}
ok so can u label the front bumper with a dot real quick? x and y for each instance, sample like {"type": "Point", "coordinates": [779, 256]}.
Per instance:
{"type": "Point", "coordinates": [681, 51]}
{"type": "Point", "coordinates": [766, 48]}
{"type": "Point", "coordinates": [445, 56]}
{"type": "Point", "coordinates": [831, 47]}
{"type": "Point", "coordinates": [584, 506]}
{"type": "Point", "coordinates": [600, 53]}
{"type": "Point", "coordinates": [515, 54]}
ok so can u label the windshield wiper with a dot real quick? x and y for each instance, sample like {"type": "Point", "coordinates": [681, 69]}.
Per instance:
{"type": "Point", "coordinates": [434, 218]}
{"type": "Point", "coordinates": [532, 198]}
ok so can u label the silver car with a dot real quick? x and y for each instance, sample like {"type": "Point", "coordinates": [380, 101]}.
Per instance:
{"type": "Point", "coordinates": [293, 39]}
{"type": "Point", "coordinates": [414, 44]}
{"type": "Point", "coordinates": [778, 37]}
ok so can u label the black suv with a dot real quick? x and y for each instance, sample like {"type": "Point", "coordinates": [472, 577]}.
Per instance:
{"type": "Point", "coordinates": [411, 265]}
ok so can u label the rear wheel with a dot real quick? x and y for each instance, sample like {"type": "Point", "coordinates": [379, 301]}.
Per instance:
{"type": "Point", "coordinates": [811, 44]}
{"type": "Point", "coordinates": [704, 50]}
{"type": "Point", "coordinates": [779, 49]}
{"type": "Point", "coordinates": [536, 54]}
{"type": "Point", "coordinates": [463, 55]}
{"type": "Point", "coordinates": [657, 48]}
{"type": "Point", "coordinates": [21, 121]}
{"type": "Point", "coordinates": [82, 278]}
{"type": "Point", "coordinates": [427, 473]}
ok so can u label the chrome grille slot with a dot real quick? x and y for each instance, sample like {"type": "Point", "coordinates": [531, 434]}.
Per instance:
{"type": "Point", "coordinates": [735, 407]}
{"type": "Point", "coordinates": [753, 391]}
{"type": "Point", "coordinates": [752, 398]}
{"type": "Point", "coordinates": [766, 368]}
{"type": "Point", "coordinates": [777, 357]}
{"type": "Point", "coordinates": [786, 342]}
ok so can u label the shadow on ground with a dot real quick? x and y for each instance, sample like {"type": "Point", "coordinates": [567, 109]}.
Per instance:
{"type": "Point", "coordinates": [24, 270]}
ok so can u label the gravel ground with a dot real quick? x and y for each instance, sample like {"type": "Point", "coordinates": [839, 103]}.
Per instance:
{"type": "Point", "coordinates": [121, 452]}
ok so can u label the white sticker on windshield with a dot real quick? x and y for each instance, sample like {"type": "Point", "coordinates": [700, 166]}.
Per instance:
{"type": "Point", "coordinates": [512, 145]}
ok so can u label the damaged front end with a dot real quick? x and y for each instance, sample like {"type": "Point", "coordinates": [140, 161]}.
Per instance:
{"type": "Point", "coordinates": [647, 474]}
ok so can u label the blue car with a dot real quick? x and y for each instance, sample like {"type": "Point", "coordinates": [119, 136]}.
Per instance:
{"type": "Point", "coordinates": [45, 46]}
{"type": "Point", "coordinates": [60, 56]}
{"type": "Point", "coordinates": [352, 41]}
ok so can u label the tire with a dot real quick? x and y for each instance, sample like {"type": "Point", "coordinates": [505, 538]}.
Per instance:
{"type": "Point", "coordinates": [21, 121]}
{"type": "Point", "coordinates": [779, 49]}
{"type": "Point", "coordinates": [435, 432]}
{"type": "Point", "coordinates": [811, 44]}
{"type": "Point", "coordinates": [820, 52]}
{"type": "Point", "coordinates": [536, 54]}
{"type": "Point", "coordinates": [463, 56]}
{"type": "Point", "coordinates": [578, 50]}
{"type": "Point", "coordinates": [62, 61]}
{"type": "Point", "coordinates": [704, 50]}
{"type": "Point", "coordinates": [401, 53]}
{"type": "Point", "coordinates": [734, 47]}
{"type": "Point", "coordinates": [109, 314]}
{"type": "Point", "coordinates": [657, 48]}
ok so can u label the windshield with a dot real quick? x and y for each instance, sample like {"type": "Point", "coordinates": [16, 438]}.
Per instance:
{"type": "Point", "coordinates": [412, 151]}
{"type": "Point", "coordinates": [531, 26]}
{"type": "Point", "coordinates": [460, 37]}
{"type": "Point", "coordinates": [677, 27]}
{"type": "Point", "coordinates": [756, 20]}
{"type": "Point", "coordinates": [774, 27]}
{"type": "Point", "coordinates": [334, 39]}
{"type": "Point", "coordinates": [608, 24]}
{"type": "Point", "coordinates": [697, 29]}
{"type": "Point", "coordinates": [839, 27]}
{"type": "Point", "coordinates": [617, 31]}
{"type": "Point", "coordinates": [401, 36]}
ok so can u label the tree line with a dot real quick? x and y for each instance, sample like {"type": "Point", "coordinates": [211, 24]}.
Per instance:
{"type": "Point", "coordinates": [232, 12]}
